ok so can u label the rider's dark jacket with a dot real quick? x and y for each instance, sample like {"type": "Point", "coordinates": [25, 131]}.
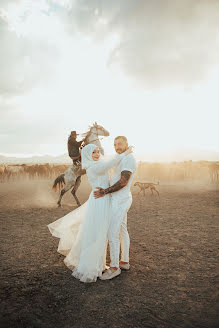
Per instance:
{"type": "Point", "coordinates": [73, 147]}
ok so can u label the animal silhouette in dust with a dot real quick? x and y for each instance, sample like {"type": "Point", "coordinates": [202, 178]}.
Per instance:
{"type": "Point", "coordinates": [145, 185]}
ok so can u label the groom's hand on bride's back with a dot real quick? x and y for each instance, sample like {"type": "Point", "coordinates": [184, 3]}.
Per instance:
{"type": "Point", "coordinates": [100, 192]}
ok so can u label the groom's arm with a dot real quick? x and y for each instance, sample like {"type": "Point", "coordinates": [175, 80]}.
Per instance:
{"type": "Point", "coordinates": [123, 181]}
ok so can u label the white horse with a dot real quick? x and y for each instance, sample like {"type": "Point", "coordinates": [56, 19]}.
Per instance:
{"type": "Point", "coordinates": [72, 176]}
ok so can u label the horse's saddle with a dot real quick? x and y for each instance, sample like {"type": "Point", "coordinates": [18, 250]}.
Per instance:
{"type": "Point", "coordinates": [75, 157]}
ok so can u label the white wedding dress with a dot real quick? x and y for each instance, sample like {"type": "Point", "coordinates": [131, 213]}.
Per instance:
{"type": "Point", "coordinates": [83, 232]}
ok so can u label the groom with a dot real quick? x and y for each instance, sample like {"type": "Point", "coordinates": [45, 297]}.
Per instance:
{"type": "Point", "coordinates": [121, 202]}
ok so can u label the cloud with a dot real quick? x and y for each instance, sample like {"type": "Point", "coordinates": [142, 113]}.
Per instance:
{"type": "Point", "coordinates": [161, 42]}
{"type": "Point", "coordinates": [22, 133]}
{"type": "Point", "coordinates": [24, 62]}
{"type": "Point", "coordinates": [50, 74]}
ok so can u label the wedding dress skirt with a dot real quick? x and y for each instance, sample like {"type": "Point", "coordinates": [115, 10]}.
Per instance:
{"type": "Point", "coordinates": [83, 238]}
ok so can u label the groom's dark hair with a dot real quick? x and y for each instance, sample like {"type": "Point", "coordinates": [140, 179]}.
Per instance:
{"type": "Point", "coordinates": [122, 137]}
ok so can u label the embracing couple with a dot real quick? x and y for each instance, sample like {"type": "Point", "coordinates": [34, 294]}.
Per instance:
{"type": "Point", "coordinates": [84, 233]}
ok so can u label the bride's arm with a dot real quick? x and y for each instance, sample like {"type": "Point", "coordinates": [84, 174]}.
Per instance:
{"type": "Point", "coordinates": [102, 168]}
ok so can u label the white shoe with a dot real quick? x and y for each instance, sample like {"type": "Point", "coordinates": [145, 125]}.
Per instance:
{"type": "Point", "coordinates": [125, 266]}
{"type": "Point", "coordinates": [110, 274]}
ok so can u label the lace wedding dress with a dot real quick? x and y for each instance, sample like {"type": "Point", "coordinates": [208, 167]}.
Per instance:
{"type": "Point", "coordinates": [83, 232]}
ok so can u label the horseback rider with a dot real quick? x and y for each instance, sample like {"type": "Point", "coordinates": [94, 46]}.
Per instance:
{"type": "Point", "coordinates": [74, 147]}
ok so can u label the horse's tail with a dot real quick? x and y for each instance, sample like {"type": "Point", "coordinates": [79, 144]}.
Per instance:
{"type": "Point", "coordinates": [60, 181]}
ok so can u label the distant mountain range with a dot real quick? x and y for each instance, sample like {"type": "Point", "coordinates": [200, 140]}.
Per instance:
{"type": "Point", "coordinates": [63, 159]}
{"type": "Point", "coordinates": [175, 155]}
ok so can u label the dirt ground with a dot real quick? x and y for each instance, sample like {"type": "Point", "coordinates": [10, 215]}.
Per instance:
{"type": "Point", "coordinates": [172, 281]}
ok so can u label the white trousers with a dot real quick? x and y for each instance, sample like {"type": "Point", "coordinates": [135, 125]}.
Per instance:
{"type": "Point", "coordinates": [118, 233]}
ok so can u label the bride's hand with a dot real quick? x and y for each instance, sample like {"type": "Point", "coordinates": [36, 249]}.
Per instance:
{"type": "Point", "coordinates": [129, 150]}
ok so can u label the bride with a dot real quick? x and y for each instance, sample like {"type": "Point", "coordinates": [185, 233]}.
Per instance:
{"type": "Point", "coordinates": [83, 232]}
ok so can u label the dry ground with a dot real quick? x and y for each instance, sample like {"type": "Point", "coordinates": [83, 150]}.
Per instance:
{"type": "Point", "coordinates": [172, 281]}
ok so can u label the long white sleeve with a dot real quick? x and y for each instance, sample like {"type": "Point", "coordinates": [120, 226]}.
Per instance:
{"type": "Point", "coordinates": [102, 168]}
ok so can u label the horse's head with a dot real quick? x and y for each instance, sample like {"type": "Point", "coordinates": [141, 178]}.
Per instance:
{"type": "Point", "coordinates": [99, 130]}
{"type": "Point", "coordinates": [93, 134]}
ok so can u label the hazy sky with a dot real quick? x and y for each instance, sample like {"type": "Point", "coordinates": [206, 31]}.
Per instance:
{"type": "Point", "coordinates": [145, 69]}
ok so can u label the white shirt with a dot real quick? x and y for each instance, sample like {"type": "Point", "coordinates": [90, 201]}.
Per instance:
{"type": "Point", "coordinates": [128, 163]}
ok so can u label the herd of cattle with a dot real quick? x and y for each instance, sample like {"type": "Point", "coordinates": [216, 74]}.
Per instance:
{"type": "Point", "coordinates": [204, 171]}
{"type": "Point", "coordinates": [11, 172]}
{"type": "Point", "coordinates": [175, 171]}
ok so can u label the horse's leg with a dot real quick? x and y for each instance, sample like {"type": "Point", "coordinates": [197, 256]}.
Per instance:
{"type": "Point", "coordinates": [63, 191]}
{"type": "Point", "coordinates": [75, 188]}
{"type": "Point", "coordinates": [157, 192]}
{"type": "Point", "coordinates": [69, 180]}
